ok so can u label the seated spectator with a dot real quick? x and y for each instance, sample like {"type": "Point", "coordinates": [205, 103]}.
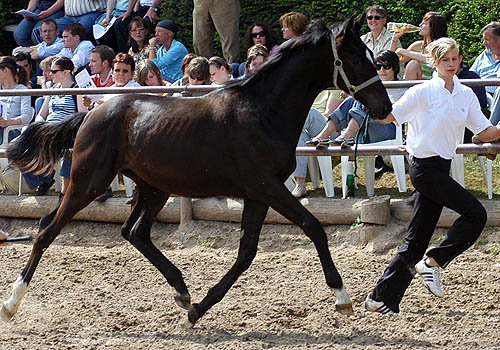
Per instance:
{"type": "Point", "coordinates": [185, 62]}
{"type": "Point", "coordinates": [24, 60]}
{"type": "Point", "coordinates": [220, 71]}
{"type": "Point", "coordinates": [293, 24]}
{"type": "Point", "coordinates": [149, 75]}
{"type": "Point", "coordinates": [50, 46]}
{"type": "Point", "coordinates": [27, 33]}
{"type": "Point", "coordinates": [168, 56]}
{"type": "Point", "coordinates": [74, 48]}
{"type": "Point", "coordinates": [44, 80]}
{"type": "Point", "coordinates": [16, 110]}
{"type": "Point", "coordinates": [328, 100]}
{"type": "Point", "coordinates": [379, 38]}
{"type": "Point", "coordinates": [82, 12]}
{"type": "Point", "coordinates": [433, 27]}
{"type": "Point", "coordinates": [56, 108]}
{"type": "Point", "coordinates": [114, 8]}
{"type": "Point", "coordinates": [351, 114]}
{"type": "Point", "coordinates": [198, 73]}
{"type": "Point", "coordinates": [495, 108]}
{"type": "Point", "coordinates": [139, 36]}
{"type": "Point", "coordinates": [263, 34]}
{"type": "Point", "coordinates": [101, 64]}
{"type": "Point", "coordinates": [147, 9]}
{"type": "Point", "coordinates": [487, 64]}
{"type": "Point", "coordinates": [257, 55]}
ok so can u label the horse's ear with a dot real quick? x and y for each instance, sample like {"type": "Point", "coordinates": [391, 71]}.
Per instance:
{"type": "Point", "coordinates": [358, 24]}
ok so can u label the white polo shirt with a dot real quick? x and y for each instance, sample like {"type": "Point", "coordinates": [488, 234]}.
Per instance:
{"type": "Point", "coordinates": [437, 118]}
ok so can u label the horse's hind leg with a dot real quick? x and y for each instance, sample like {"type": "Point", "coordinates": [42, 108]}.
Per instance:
{"type": "Point", "coordinates": [137, 231]}
{"type": "Point", "coordinates": [254, 214]}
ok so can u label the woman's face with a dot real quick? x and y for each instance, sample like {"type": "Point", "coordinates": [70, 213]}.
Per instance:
{"type": "Point", "coordinates": [385, 71]}
{"type": "Point", "coordinates": [57, 73]}
{"type": "Point", "coordinates": [122, 74]}
{"type": "Point", "coordinates": [218, 75]}
{"type": "Point", "coordinates": [258, 35]}
{"type": "Point", "coordinates": [375, 21]}
{"type": "Point", "coordinates": [256, 63]}
{"type": "Point", "coordinates": [425, 29]}
{"type": "Point", "coordinates": [152, 79]}
{"type": "Point", "coordinates": [288, 33]}
{"type": "Point", "coordinates": [138, 32]}
{"type": "Point", "coordinates": [194, 80]}
{"type": "Point", "coordinates": [448, 65]}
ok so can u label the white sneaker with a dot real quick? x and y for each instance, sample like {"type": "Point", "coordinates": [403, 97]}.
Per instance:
{"type": "Point", "coordinates": [377, 306]}
{"type": "Point", "coordinates": [300, 190]}
{"type": "Point", "coordinates": [431, 278]}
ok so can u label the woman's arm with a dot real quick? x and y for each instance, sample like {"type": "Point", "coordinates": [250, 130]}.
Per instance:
{"type": "Point", "coordinates": [44, 110]}
{"type": "Point", "coordinates": [51, 10]}
{"type": "Point", "coordinates": [387, 120]}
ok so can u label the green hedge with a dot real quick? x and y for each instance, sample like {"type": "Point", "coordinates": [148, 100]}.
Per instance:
{"type": "Point", "coordinates": [465, 17]}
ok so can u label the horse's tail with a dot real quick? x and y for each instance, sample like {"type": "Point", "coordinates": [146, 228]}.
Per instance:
{"type": "Point", "coordinates": [42, 144]}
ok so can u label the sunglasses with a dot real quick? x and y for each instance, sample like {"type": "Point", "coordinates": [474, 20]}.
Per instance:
{"type": "Point", "coordinates": [254, 35]}
{"type": "Point", "coordinates": [54, 71]}
{"type": "Point", "coordinates": [373, 17]}
{"type": "Point", "coordinates": [385, 65]}
{"type": "Point", "coordinates": [196, 78]}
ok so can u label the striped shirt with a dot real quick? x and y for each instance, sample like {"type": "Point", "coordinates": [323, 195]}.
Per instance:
{"type": "Point", "coordinates": [81, 7]}
{"type": "Point", "coordinates": [60, 106]}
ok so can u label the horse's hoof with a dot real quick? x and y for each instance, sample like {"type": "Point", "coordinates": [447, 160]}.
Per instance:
{"type": "Point", "coordinates": [183, 301]}
{"type": "Point", "coordinates": [6, 314]}
{"type": "Point", "coordinates": [193, 315]}
{"type": "Point", "coordinates": [345, 309]}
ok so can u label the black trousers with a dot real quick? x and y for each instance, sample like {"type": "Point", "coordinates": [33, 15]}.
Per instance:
{"type": "Point", "coordinates": [435, 190]}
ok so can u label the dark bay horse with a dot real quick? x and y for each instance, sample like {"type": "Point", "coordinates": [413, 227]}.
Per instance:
{"type": "Point", "coordinates": [237, 141]}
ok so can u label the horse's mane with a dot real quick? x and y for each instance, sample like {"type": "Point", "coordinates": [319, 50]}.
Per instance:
{"type": "Point", "coordinates": [315, 33]}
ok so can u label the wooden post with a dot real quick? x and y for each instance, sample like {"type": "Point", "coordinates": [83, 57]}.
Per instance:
{"type": "Point", "coordinates": [186, 210]}
{"type": "Point", "coordinates": [376, 210]}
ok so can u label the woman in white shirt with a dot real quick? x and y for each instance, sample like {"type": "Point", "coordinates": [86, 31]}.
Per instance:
{"type": "Point", "coordinates": [14, 110]}
{"type": "Point", "coordinates": [437, 111]}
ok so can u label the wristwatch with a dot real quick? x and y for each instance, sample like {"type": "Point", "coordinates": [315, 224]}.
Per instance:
{"type": "Point", "coordinates": [155, 9]}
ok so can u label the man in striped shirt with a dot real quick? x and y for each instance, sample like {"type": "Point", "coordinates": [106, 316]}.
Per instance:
{"type": "Point", "coordinates": [81, 11]}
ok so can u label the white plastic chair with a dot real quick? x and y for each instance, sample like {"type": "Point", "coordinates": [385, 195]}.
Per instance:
{"type": "Point", "coordinates": [398, 164]}
{"type": "Point", "coordinates": [126, 181]}
{"type": "Point", "coordinates": [315, 166]}
{"type": "Point", "coordinates": [4, 161]}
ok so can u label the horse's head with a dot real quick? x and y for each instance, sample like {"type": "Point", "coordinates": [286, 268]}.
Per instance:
{"type": "Point", "coordinates": [354, 69]}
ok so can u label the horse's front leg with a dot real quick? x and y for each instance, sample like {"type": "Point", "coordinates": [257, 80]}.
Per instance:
{"type": "Point", "coordinates": [254, 214]}
{"type": "Point", "coordinates": [287, 205]}
{"type": "Point", "coordinates": [137, 230]}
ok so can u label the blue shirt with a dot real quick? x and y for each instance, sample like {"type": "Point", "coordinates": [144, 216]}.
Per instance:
{"type": "Point", "coordinates": [169, 61]}
{"type": "Point", "coordinates": [486, 68]}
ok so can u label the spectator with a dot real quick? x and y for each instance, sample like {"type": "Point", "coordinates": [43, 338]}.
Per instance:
{"type": "Point", "coordinates": [147, 9]}
{"type": "Point", "coordinates": [220, 71]}
{"type": "Point", "coordinates": [495, 109]}
{"type": "Point", "coordinates": [16, 110]}
{"type": "Point", "coordinates": [24, 60]}
{"type": "Point", "coordinates": [56, 108]}
{"type": "Point", "coordinates": [198, 73]}
{"type": "Point", "coordinates": [350, 114]}
{"type": "Point", "coordinates": [293, 24]}
{"type": "Point", "coordinates": [185, 62]}
{"type": "Point", "coordinates": [432, 27]}
{"type": "Point", "coordinates": [50, 46]}
{"type": "Point", "coordinates": [257, 55]}
{"type": "Point", "coordinates": [261, 33]}
{"type": "Point", "coordinates": [328, 100]}
{"type": "Point", "coordinates": [84, 12]}
{"type": "Point", "coordinates": [139, 35]}
{"type": "Point", "coordinates": [379, 38]}
{"type": "Point", "coordinates": [101, 64]}
{"type": "Point", "coordinates": [220, 15]}
{"type": "Point", "coordinates": [168, 56]}
{"type": "Point", "coordinates": [44, 81]}
{"type": "Point", "coordinates": [74, 48]}
{"type": "Point", "coordinates": [148, 74]}
{"type": "Point", "coordinates": [27, 33]}
{"type": "Point", "coordinates": [487, 64]}
{"type": "Point", "coordinates": [114, 8]}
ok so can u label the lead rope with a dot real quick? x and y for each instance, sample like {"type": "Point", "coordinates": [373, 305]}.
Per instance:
{"type": "Point", "coordinates": [362, 129]}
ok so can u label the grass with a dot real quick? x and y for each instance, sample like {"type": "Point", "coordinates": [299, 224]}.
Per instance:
{"type": "Point", "coordinates": [387, 184]}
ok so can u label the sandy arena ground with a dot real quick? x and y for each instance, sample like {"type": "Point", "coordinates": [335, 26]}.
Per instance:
{"type": "Point", "coordinates": [92, 290]}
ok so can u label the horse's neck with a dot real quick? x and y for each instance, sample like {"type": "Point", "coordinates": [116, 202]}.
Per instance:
{"type": "Point", "coordinates": [290, 91]}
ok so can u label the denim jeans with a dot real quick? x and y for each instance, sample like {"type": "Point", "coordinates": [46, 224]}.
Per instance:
{"type": "Point", "coordinates": [12, 134]}
{"type": "Point", "coordinates": [495, 111]}
{"type": "Point", "coordinates": [87, 20]}
{"type": "Point", "coordinates": [27, 32]}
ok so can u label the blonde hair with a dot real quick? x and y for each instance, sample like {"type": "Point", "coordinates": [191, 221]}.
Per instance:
{"type": "Point", "coordinates": [296, 21]}
{"type": "Point", "coordinates": [440, 47]}
{"type": "Point", "coordinates": [46, 63]}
